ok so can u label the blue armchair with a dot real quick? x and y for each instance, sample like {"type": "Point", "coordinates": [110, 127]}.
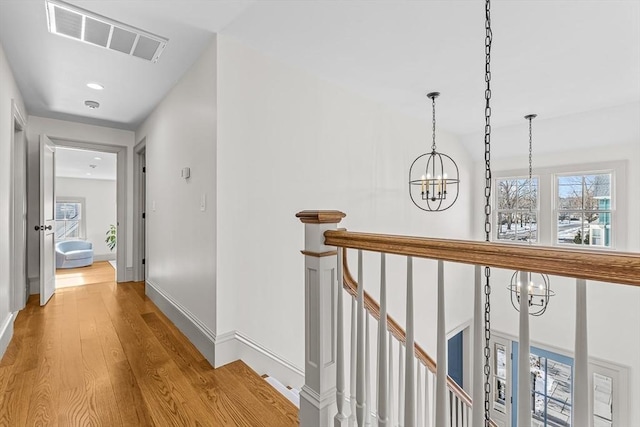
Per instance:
{"type": "Point", "coordinates": [73, 253]}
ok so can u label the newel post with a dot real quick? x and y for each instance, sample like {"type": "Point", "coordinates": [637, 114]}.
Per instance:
{"type": "Point", "coordinates": [318, 395]}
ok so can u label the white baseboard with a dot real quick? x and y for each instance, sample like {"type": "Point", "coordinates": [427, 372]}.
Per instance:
{"type": "Point", "coordinates": [6, 332]}
{"type": "Point", "coordinates": [234, 345]}
{"type": "Point", "coordinates": [226, 348]}
{"type": "Point", "coordinates": [34, 285]}
{"type": "Point", "coordinates": [104, 257]}
{"type": "Point", "coordinates": [200, 335]}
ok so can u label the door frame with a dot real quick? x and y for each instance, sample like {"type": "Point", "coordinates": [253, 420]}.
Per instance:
{"type": "Point", "coordinates": [121, 194]}
{"type": "Point", "coordinates": [18, 233]}
{"type": "Point", "coordinates": [139, 190]}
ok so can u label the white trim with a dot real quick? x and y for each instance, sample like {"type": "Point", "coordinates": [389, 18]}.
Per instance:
{"type": "Point", "coordinates": [34, 285]}
{"type": "Point", "coordinates": [228, 347]}
{"type": "Point", "coordinates": [6, 332]}
{"type": "Point", "coordinates": [199, 334]}
{"type": "Point", "coordinates": [104, 257]}
{"type": "Point", "coordinates": [235, 345]}
{"type": "Point", "coordinates": [139, 245]}
{"type": "Point", "coordinates": [18, 223]}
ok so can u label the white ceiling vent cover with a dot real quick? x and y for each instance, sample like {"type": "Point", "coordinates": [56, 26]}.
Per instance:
{"type": "Point", "coordinates": [73, 22]}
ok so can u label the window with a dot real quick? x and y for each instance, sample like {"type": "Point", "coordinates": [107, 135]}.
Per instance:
{"type": "Point", "coordinates": [584, 209]}
{"type": "Point", "coordinates": [69, 218]}
{"type": "Point", "coordinates": [517, 213]}
{"type": "Point", "coordinates": [551, 392]}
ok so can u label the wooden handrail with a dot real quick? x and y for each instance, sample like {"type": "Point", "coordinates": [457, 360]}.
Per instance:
{"type": "Point", "coordinates": [613, 267]}
{"type": "Point", "coordinates": [351, 286]}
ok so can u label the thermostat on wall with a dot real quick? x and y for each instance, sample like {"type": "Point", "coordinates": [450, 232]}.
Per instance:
{"type": "Point", "coordinates": [186, 173]}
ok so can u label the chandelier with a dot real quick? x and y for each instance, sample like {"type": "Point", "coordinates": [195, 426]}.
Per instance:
{"type": "Point", "coordinates": [433, 176]}
{"type": "Point", "coordinates": [538, 289]}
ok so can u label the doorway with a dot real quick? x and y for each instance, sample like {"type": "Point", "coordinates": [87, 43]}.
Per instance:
{"type": "Point", "coordinates": [139, 212]}
{"type": "Point", "coordinates": [18, 213]}
{"type": "Point", "coordinates": [85, 216]}
{"type": "Point", "coordinates": [122, 275]}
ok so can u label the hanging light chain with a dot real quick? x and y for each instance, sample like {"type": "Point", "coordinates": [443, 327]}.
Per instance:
{"type": "Point", "coordinates": [433, 122]}
{"type": "Point", "coordinates": [530, 117]}
{"type": "Point", "coordinates": [487, 212]}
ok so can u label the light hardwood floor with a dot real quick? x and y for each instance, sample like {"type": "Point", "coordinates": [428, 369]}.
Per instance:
{"type": "Point", "coordinates": [104, 355]}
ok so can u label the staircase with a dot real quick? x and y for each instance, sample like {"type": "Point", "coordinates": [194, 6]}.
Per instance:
{"type": "Point", "coordinates": [362, 368]}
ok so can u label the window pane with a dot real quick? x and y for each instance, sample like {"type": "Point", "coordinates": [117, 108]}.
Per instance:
{"type": "Point", "coordinates": [570, 192]}
{"type": "Point", "coordinates": [571, 228]}
{"type": "Point", "coordinates": [597, 192]}
{"type": "Point", "coordinates": [558, 414]}
{"type": "Point", "coordinates": [506, 226]}
{"type": "Point", "coordinates": [559, 381]}
{"type": "Point", "coordinates": [507, 194]}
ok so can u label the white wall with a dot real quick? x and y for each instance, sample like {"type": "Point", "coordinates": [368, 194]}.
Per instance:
{"type": "Point", "coordinates": [287, 142]}
{"type": "Point", "coordinates": [71, 131]}
{"type": "Point", "coordinates": [181, 238]}
{"type": "Point", "coordinates": [99, 209]}
{"type": "Point", "coordinates": [613, 310]}
{"type": "Point", "coordinates": [8, 92]}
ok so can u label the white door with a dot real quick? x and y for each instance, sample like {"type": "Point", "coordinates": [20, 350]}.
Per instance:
{"type": "Point", "coordinates": [47, 220]}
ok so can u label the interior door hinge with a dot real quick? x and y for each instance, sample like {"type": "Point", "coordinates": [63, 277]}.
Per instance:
{"type": "Point", "coordinates": [143, 261]}
{"type": "Point", "coordinates": [144, 169]}
{"type": "Point", "coordinates": [143, 215]}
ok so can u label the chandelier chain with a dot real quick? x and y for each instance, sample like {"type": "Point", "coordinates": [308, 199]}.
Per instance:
{"type": "Point", "coordinates": [530, 178]}
{"type": "Point", "coordinates": [433, 123]}
{"type": "Point", "coordinates": [487, 212]}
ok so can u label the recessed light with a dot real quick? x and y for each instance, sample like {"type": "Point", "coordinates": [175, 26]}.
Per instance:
{"type": "Point", "coordinates": [96, 86]}
{"type": "Point", "coordinates": [89, 173]}
{"type": "Point", "coordinates": [92, 104]}
{"type": "Point", "coordinates": [97, 158]}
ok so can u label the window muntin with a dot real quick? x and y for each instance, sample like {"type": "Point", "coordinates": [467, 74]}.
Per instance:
{"type": "Point", "coordinates": [517, 209]}
{"type": "Point", "coordinates": [584, 211]}
{"type": "Point", "coordinates": [551, 383]}
{"type": "Point", "coordinates": [69, 219]}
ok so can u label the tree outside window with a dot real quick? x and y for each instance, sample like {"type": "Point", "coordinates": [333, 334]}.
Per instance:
{"type": "Point", "coordinates": [584, 209]}
{"type": "Point", "coordinates": [517, 209]}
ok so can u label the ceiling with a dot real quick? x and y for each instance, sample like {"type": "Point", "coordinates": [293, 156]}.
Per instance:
{"type": "Point", "coordinates": [555, 58]}
{"type": "Point", "coordinates": [84, 164]}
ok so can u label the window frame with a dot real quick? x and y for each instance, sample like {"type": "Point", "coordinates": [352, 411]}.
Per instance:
{"type": "Point", "coordinates": [613, 222]}
{"type": "Point", "coordinates": [496, 212]}
{"type": "Point", "coordinates": [82, 233]}
{"type": "Point", "coordinates": [547, 220]}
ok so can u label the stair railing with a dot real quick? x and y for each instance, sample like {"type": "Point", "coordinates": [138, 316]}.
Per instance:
{"type": "Point", "coordinates": [431, 399]}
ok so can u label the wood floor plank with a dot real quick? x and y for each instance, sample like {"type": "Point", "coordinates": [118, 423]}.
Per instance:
{"type": "Point", "coordinates": [104, 355]}
{"type": "Point", "coordinates": [17, 397]}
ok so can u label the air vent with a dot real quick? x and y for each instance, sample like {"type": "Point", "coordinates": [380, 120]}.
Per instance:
{"type": "Point", "coordinates": [79, 24]}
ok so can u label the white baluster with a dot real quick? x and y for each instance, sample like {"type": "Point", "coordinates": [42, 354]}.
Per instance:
{"type": "Point", "coordinates": [383, 373]}
{"type": "Point", "coordinates": [441, 362]}
{"type": "Point", "coordinates": [581, 362]}
{"type": "Point", "coordinates": [427, 401]}
{"type": "Point", "coordinates": [392, 395]}
{"type": "Point", "coordinates": [478, 350]}
{"type": "Point", "coordinates": [524, 367]}
{"type": "Point", "coordinates": [360, 362]}
{"type": "Point", "coordinates": [340, 419]}
{"type": "Point", "coordinates": [409, 395]}
{"type": "Point", "coordinates": [352, 366]}
{"type": "Point", "coordinates": [367, 368]}
{"type": "Point", "coordinates": [419, 400]}
{"type": "Point", "coordinates": [401, 385]}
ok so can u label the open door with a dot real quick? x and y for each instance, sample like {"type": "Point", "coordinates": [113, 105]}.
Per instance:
{"type": "Point", "coordinates": [47, 220]}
